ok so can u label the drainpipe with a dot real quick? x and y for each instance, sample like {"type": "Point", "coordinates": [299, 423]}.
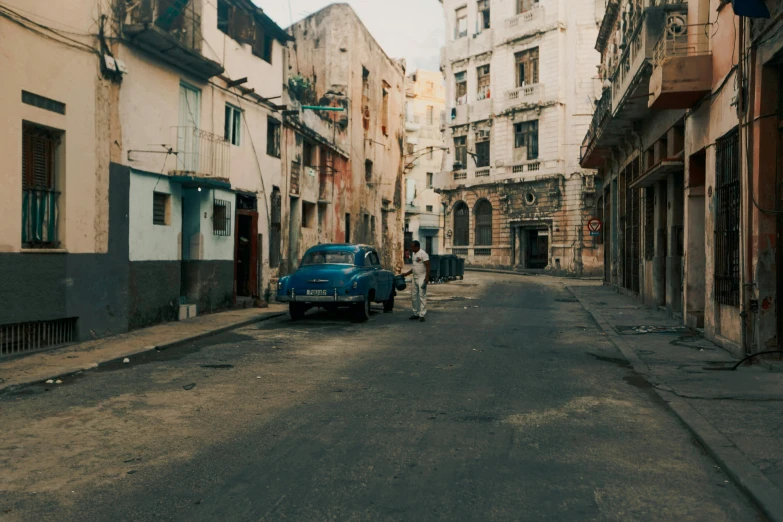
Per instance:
{"type": "Point", "coordinates": [744, 236]}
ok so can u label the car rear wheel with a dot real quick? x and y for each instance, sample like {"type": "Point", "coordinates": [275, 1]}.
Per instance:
{"type": "Point", "coordinates": [297, 311]}
{"type": "Point", "coordinates": [388, 305]}
{"type": "Point", "coordinates": [361, 311]}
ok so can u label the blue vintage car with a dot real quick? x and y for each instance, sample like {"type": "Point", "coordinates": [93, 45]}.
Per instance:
{"type": "Point", "coordinates": [333, 276]}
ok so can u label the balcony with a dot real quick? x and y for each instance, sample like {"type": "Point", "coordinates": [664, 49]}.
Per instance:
{"type": "Point", "coordinates": [593, 155]}
{"type": "Point", "coordinates": [413, 123]}
{"type": "Point", "coordinates": [171, 30]}
{"type": "Point", "coordinates": [535, 167]}
{"type": "Point", "coordinates": [201, 154]}
{"type": "Point", "coordinates": [526, 95]}
{"type": "Point", "coordinates": [530, 20]}
{"type": "Point", "coordinates": [682, 69]}
{"type": "Point", "coordinates": [631, 76]}
{"type": "Point", "coordinates": [429, 220]}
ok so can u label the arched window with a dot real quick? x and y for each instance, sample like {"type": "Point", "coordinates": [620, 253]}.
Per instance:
{"type": "Point", "coordinates": [483, 211]}
{"type": "Point", "coordinates": [461, 224]}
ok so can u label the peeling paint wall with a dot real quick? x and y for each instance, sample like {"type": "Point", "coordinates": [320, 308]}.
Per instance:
{"type": "Point", "coordinates": [336, 62]}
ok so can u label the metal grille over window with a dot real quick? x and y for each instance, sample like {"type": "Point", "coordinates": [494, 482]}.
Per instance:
{"type": "Point", "coordinates": [461, 224]}
{"type": "Point", "coordinates": [29, 337]}
{"type": "Point", "coordinates": [649, 223]}
{"type": "Point", "coordinates": [632, 239]}
{"type": "Point", "coordinates": [727, 206]}
{"type": "Point", "coordinates": [40, 210]}
{"type": "Point", "coordinates": [483, 223]}
{"type": "Point", "coordinates": [221, 217]}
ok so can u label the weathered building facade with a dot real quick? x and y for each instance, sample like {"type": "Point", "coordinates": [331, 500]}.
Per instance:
{"type": "Point", "coordinates": [424, 110]}
{"type": "Point", "coordinates": [141, 179]}
{"type": "Point", "coordinates": [518, 79]}
{"type": "Point", "coordinates": [343, 168]}
{"type": "Point", "coordinates": [685, 141]}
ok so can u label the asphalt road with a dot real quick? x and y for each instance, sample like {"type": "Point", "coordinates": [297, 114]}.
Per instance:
{"type": "Point", "coordinates": [507, 404]}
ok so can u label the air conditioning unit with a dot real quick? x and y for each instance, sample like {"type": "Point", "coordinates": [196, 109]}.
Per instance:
{"type": "Point", "coordinates": [482, 134]}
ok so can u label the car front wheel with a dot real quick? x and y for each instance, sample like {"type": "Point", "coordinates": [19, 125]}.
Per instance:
{"type": "Point", "coordinates": [361, 311]}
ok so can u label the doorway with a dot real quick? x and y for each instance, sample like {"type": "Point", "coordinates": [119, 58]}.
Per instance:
{"type": "Point", "coordinates": [428, 245]}
{"type": "Point", "coordinates": [407, 245]}
{"type": "Point", "coordinates": [537, 248]}
{"type": "Point", "coordinates": [246, 254]}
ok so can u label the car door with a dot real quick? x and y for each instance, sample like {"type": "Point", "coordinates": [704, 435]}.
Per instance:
{"type": "Point", "coordinates": [385, 280]}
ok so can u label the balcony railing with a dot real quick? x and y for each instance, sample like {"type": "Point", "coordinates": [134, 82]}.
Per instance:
{"type": "Point", "coordinates": [40, 213]}
{"type": "Point", "coordinates": [460, 174]}
{"type": "Point", "coordinates": [526, 94]}
{"type": "Point", "coordinates": [482, 172]}
{"type": "Point", "coordinates": [524, 19]}
{"type": "Point", "coordinates": [682, 67]}
{"type": "Point", "coordinates": [172, 30]}
{"type": "Point", "coordinates": [201, 153]}
{"type": "Point", "coordinates": [685, 44]}
{"type": "Point", "coordinates": [603, 110]}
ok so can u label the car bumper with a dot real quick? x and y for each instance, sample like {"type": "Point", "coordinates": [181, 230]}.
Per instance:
{"type": "Point", "coordinates": [347, 299]}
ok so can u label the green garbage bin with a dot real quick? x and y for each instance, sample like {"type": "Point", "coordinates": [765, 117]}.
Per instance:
{"type": "Point", "coordinates": [461, 267]}
{"type": "Point", "coordinates": [445, 267]}
{"type": "Point", "coordinates": [434, 267]}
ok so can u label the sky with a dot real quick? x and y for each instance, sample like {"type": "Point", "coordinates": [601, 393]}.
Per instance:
{"type": "Point", "coordinates": [410, 29]}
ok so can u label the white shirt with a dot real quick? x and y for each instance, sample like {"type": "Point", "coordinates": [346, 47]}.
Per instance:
{"type": "Point", "coordinates": [418, 259]}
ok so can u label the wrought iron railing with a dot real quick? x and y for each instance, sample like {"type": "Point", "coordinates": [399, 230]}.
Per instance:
{"type": "Point", "coordinates": [603, 109]}
{"type": "Point", "coordinates": [202, 153]}
{"type": "Point", "coordinates": [40, 212]}
{"type": "Point", "coordinates": [179, 18]}
{"type": "Point", "coordinates": [693, 40]}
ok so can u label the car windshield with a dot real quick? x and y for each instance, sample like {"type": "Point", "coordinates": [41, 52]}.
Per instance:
{"type": "Point", "coordinates": [327, 258]}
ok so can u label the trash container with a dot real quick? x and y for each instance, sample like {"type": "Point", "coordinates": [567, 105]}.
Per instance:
{"type": "Point", "coordinates": [461, 267]}
{"type": "Point", "coordinates": [434, 268]}
{"type": "Point", "coordinates": [453, 266]}
{"type": "Point", "coordinates": [399, 283]}
{"type": "Point", "coordinates": [445, 267]}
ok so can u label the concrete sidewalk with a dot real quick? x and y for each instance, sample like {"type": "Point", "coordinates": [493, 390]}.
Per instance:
{"type": "Point", "coordinates": [41, 366]}
{"type": "Point", "coordinates": [736, 415]}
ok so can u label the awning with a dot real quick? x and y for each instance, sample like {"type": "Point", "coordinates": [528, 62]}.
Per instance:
{"type": "Point", "coordinates": [197, 181]}
{"type": "Point", "coordinates": [659, 172]}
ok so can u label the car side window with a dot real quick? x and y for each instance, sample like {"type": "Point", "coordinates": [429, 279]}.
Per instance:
{"type": "Point", "coordinates": [374, 261]}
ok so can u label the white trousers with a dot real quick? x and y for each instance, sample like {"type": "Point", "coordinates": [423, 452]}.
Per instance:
{"type": "Point", "coordinates": [419, 296]}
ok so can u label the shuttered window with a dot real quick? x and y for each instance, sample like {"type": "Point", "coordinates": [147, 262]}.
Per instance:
{"type": "Point", "coordinates": [461, 224]}
{"type": "Point", "coordinates": [40, 209]}
{"type": "Point", "coordinates": [527, 67]}
{"type": "Point", "coordinates": [160, 203]}
{"type": "Point", "coordinates": [38, 157]}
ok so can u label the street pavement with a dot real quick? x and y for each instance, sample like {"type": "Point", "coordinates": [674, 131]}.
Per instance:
{"type": "Point", "coordinates": [509, 403]}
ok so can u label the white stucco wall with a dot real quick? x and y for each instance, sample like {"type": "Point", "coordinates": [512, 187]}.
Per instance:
{"type": "Point", "coordinates": [147, 241]}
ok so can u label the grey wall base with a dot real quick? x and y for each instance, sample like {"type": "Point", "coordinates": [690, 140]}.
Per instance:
{"type": "Point", "coordinates": [208, 284]}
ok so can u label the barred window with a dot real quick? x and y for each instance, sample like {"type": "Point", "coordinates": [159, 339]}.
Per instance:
{"type": "Point", "coordinates": [483, 212]}
{"type": "Point", "coordinates": [461, 224]}
{"type": "Point", "coordinates": [221, 217]}
{"type": "Point", "coordinates": [727, 219]}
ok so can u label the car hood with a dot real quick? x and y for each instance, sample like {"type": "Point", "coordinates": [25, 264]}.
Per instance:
{"type": "Point", "coordinates": [322, 276]}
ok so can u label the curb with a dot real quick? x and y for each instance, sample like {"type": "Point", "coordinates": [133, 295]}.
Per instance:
{"type": "Point", "coordinates": [767, 497]}
{"type": "Point", "coordinates": [528, 274]}
{"type": "Point", "coordinates": [165, 346]}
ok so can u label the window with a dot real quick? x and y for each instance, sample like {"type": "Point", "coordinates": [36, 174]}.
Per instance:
{"type": "Point", "coordinates": [275, 231]}
{"type": "Point", "coordinates": [461, 28]}
{"type": "Point", "coordinates": [328, 258]}
{"type": "Point", "coordinates": [429, 179]}
{"type": "Point", "coordinates": [42, 102]}
{"type": "Point", "coordinates": [372, 230]}
{"type": "Point", "coordinates": [221, 217]}
{"type": "Point", "coordinates": [223, 10]}
{"type": "Point", "coordinates": [188, 144]}
{"type": "Point", "coordinates": [367, 170]}
{"type": "Point", "coordinates": [430, 86]}
{"type": "Point", "coordinates": [161, 208]}
{"type": "Point", "coordinates": [233, 124]}
{"type": "Point", "coordinates": [385, 109]}
{"type": "Point", "coordinates": [483, 210]}
{"type": "Point", "coordinates": [526, 137]}
{"type": "Point", "coordinates": [409, 148]}
{"type": "Point", "coordinates": [429, 208]}
{"type": "Point", "coordinates": [347, 228]}
{"type": "Point", "coordinates": [366, 231]}
{"type": "Point", "coordinates": [262, 44]}
{"type": "Point", "coordinates": [461, 224]}
{"type": "Point", "coordinates": [309, 215]}
{"type": "Point", "coordinates": [483, 83]}
{"type": "Point", "coordinates": [273, 137]}
{"type": "Point", "coordinates": [460, 153]}
{"type": "Point", "coordinates": [366, 99]}
{"type": "Point", "coordinates": [373, 259]}
{"type": "Point", "coordinates": [40, 212]}
{"type": "Point", "coordinates": [527, 67]}
{"type": "Point", "coordinates": [410, 191]}
{"type": "Point", "coordinates": [727, 219]}
{"type": "Point", "coordinates": [308, 153]}
{"type": "Point", "coordinates": [483, 11]}
{"type": "Point", "coordinates": [430, 114]}
{"type": "Point", "coordinates": [482, 154]}
{"type": "Point", "coordinates": [525, 5]}
{"type": "Point", "coordinates": [461, 79]}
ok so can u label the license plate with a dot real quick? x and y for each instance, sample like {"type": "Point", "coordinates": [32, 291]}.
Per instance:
{"type": "Point", "coordinates": [316, 292]}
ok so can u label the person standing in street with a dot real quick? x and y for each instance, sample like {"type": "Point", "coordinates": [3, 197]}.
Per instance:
{"type": "Point", "coordinates": [421, 275]}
